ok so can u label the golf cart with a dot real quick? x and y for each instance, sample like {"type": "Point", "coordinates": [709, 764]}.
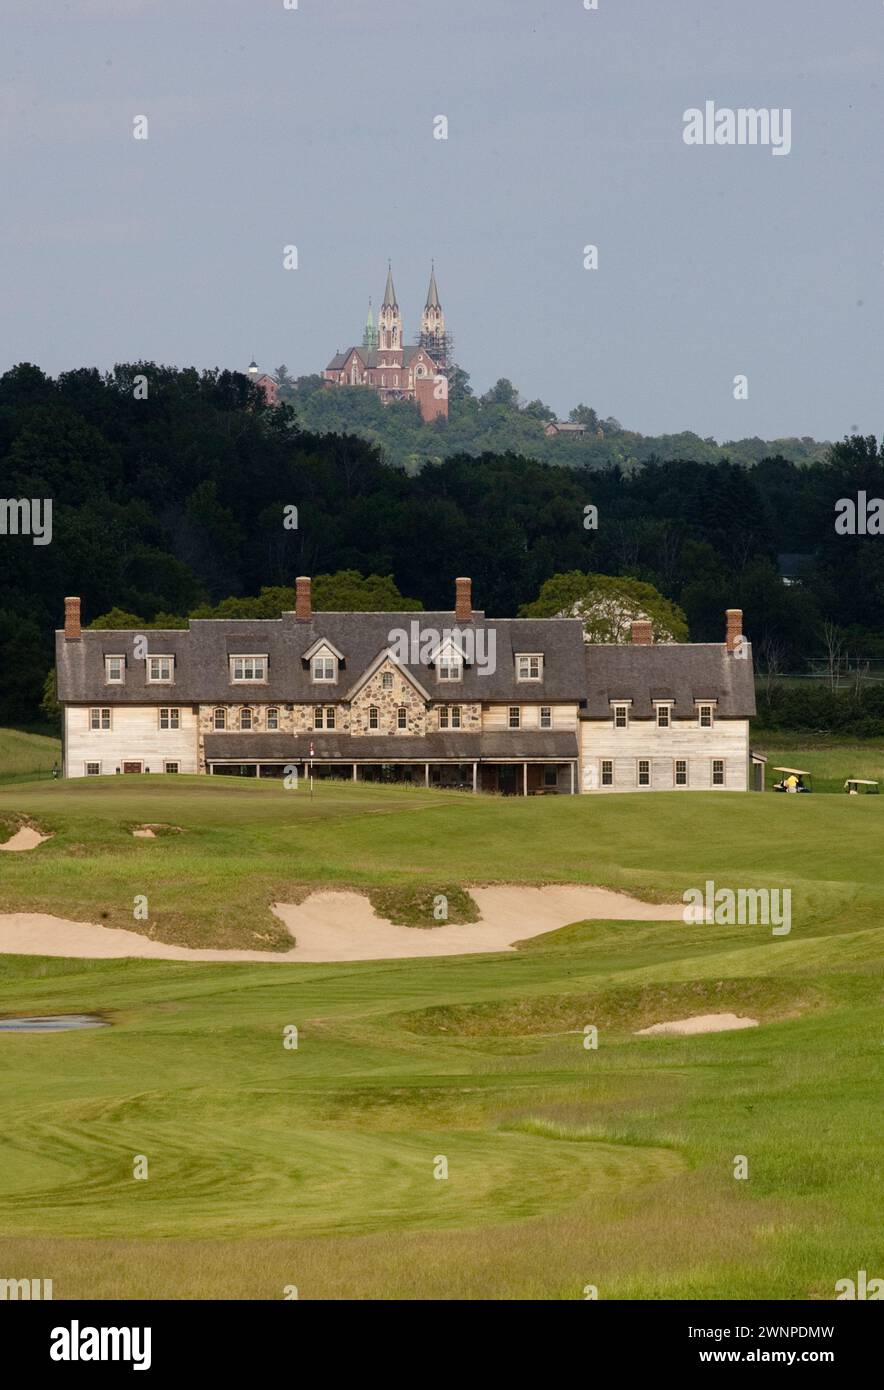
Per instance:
{"type": "Point", "coordinates": [856, 786]}
{"type": "Point", "coordinates": [793, 780]}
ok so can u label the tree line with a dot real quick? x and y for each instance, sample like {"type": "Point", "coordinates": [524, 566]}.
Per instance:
{"type": "Point", "coordinates": [167, 502]}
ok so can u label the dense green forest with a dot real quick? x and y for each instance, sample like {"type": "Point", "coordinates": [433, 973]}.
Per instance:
{"type": "Point", "coordinates": [170, 502]}
{"type": "Point", "coordinates": [500, 421]}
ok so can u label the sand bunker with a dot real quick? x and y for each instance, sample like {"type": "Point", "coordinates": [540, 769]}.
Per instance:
{"type": "Point", "coordinates": [26, 837]}
{"type": "Point", "coordinates": [699, 1023]}
{"type": "Point", "coordinates": [144, 832]}
{"type": "Point", "coordinates": [331, 926]}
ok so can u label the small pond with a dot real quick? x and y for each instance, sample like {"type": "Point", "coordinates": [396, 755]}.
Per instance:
{"type": "Point", "coordinates": [53, 1023]}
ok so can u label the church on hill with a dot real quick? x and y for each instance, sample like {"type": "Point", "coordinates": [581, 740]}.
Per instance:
{"type": "Point", "coordinates": [386, 365]}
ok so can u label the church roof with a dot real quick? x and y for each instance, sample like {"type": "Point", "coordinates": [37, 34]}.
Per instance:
{"type": "Point", "coordinates": [371, 357]}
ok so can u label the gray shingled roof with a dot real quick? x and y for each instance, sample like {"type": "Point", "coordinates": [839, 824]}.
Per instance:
{"type": "Point", "coordinates": [202, 659]}
{"type": "Point", "coordinates": [393, 748]}
{"type": "Point", "coordinates": [682, 671]}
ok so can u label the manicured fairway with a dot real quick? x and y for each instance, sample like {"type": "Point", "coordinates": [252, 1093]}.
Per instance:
{"type": "Point", "coordinates": [314, 1167]}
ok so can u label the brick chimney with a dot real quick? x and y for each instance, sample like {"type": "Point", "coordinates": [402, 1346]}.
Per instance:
{"type": "Point", "coordinates": [303, 598]}
{"type": "Point", "coordinates": [72, 631]}
{"type": "Point", "coordinates": [642, 632]}
{"type": "Point", "coordinates": [734, 631]}
{"type": "Point", "coordinates": [463, 600]}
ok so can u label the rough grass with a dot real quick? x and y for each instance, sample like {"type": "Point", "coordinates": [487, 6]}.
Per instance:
{"type": "Point", "coordinates": [421, 905]}
{"type": "Point", "coordinates": [25, 755]}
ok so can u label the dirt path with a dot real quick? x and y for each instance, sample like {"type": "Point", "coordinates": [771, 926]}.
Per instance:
{"type": "Point", "coordinates": [332, 926]}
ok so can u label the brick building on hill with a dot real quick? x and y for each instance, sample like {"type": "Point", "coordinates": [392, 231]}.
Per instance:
{"type": "Point", "coordinates": [386, 365]}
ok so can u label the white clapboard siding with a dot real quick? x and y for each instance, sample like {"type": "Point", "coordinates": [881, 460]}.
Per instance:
{"type": "Point", "coordinates": [728, 739]}
{"type": "Point", "coordinates": [497, 716]}
{"type": "Point", "coordinates": [134, 736]}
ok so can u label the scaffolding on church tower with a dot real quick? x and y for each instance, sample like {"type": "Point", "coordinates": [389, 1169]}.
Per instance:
{"type": "Point", "coordinates": [440, 346]}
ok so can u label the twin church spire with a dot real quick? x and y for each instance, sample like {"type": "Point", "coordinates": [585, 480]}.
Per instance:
{"type": "Point", "coordinates": [388, 332]}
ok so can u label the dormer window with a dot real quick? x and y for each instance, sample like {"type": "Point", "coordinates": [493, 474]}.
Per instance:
{"type": "Point", "coordinates": [449, 663]}
{"type": "Point", "coordinates": [621, 714]}
{"type": "Point", "coordinates": [115, 670]}
{"type": "Point", "coordinates": [246, 670]}
{"type": "Point", "coordinates": [529, 666]}
{"type": "Point", "coordinates": [705, 714]}
{"type": "Point", "coordinates": [160, 670]}
{"type": "Point", "coordinates": [324, 668]}
{"type": "Point", "coordinates": [664, 715]}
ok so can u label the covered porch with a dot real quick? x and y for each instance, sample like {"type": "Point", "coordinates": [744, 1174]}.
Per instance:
{"type": "Point", "coordinates": [465, 762]}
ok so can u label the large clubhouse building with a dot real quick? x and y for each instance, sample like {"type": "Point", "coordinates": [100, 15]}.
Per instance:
{"type": "Point", "coordinates": [450, 699]}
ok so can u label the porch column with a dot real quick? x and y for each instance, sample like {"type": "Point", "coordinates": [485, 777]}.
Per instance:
{"type": "Point", "coordinates": [573, 766]}
{"type": "Point", "coordinates": [257, 769]}
{"type": "Point", "coordinates": [426, 774]}
{"type": "Point", "coordinates": [524, 779]}
{"type": "Point", "coordinates": [475, 777]}
{"type": "Point", "coordinates": [354, 772]}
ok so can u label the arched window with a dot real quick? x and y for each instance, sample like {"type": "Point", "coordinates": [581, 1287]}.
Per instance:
{"type": "Point", "coordinates": [245, 717]}
{"type": "Point", "coordinates": [220, 718]}
{"type": "Point", "coordinates": [273, 719]}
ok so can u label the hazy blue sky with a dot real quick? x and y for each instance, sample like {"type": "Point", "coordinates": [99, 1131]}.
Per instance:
{"type": "Point", "coordinates": [315, 127]}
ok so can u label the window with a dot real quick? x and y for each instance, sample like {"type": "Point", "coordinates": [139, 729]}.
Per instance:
{"type": "Point", "coordinates": [171, 767]}
{"type": "Point", "coordinates": [99, 719]}
{"type": "Point", "coordinates": [545, 717]}
{"type": "Point", "coordinates": [317, 717]}
{"type": "Point", "coordinates": [330, 717]}
{"type": "Point", "coordinates": [450, 667]}
{"type": "Point", "coordinates": [323, 668]}
{"type": "Point", "coordinates": [387, 680]}
{"type": "Point", "coordinates": [529, 667]}
{"type": "Point", "coordinates": [160, 669]}
{"type": "Point", "coordinates": [93, 769]}
{"type": "Point", "coordinates": [115, 670]}
{"type": "Point", "coordinates": [621, 716]}
{"type": "Point", "coordinates": [402, 717]}
{"type": "Point", "coordinates": [664, 713]}
{"type": "Point", "coordinates": [718, 772]}
{"type": "Point", "coordinates": [705, 713]}
{"type": "Point", "coordinates": [607, 772]}
{"type": "Point", "coordinates": [170, 719]}
{"type": "Point", "coordinates": [514, 718]}
{"type": "Point", "coordinates": [373, 720]}
{"type": "Point", "coordinates": [272, 719]}
{"type": "Point", "coordinates": [248, 668]}
{"type": "Point", "coordinates": [550, 777]}
{"type": "Point", "coordinates": [455, 716]}
{"type": "Point", "coordinates": [681, 772]}
{"type": "Point", "coordinates": [644, 772]}
{"type": "Point", "coordinates": [245, 717]}
{"type": "Point", "coordinates": [219, 719]}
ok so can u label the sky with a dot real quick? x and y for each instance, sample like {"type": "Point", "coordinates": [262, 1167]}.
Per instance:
{"type": "Point", "coordinates": [315, 127]}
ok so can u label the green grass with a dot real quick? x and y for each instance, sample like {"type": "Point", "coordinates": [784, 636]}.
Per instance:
{"type": "Point", "coordinates": [25, 754]}
{"type": "Point", "coordinates": [566, 1166]}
